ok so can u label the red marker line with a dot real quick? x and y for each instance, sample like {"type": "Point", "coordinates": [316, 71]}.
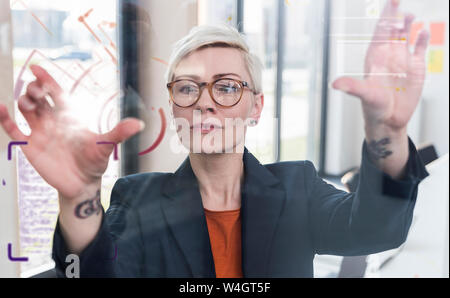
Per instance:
{"type": "Point", "coordinates": [88, 12]}
{"type": "Point", "coordinates": [103, 110]}
{"type": "Point", "coordinates": [35, 17]}
{"type": "Point", "coordinates": [85, 73]}
{"type": "Point", "coordinates": [19, 82]}
{"type": "Point", "coordinates": [160, 60]}
{"type": "Point", "coordinates": [83, 21]}
{"type": "Point", "coordinates": [108, 119]}
{"type": "Point", "coordinates": [114, 59]}
{"type": "Point", "coordinates": [111, 43]}
{"type": "Point", "coordinates": [160, 136]}
{"type": "Point", "coordinates": [90, 76]}
{"type": "Point", "coordinates": [42, 24]}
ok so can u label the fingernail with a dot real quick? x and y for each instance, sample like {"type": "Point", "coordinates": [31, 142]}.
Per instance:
{"type": "Point", "coordinates": [32, 66]}
{"type": "Point", "coordinates": [142, 125]}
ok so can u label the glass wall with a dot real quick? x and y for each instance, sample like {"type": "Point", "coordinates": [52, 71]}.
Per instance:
{"type": "Point", "coordinates": [302, 80]}
{"type": "Point", "coordinates": [260, 27]}
{"type": "Point", "coordinates": [75, 41]}
{"type": "Point", "coordinates": [300, 73]}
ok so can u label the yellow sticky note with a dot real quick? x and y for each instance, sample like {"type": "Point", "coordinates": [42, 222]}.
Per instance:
{"type": "Point", "coordinates": [436, 61]}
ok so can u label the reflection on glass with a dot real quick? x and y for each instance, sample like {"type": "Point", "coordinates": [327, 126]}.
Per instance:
{"type": "Point", "coordinates": [217, 12]}
{"type": "Point", "coordinates": [75, 41]}
{"type": "Point", "coordinates": [260, 19]}
{"type": "Point", "coordinates": [301, 80]}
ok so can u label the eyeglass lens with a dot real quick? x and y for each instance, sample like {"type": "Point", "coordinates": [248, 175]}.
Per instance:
{"type": "Point", "coordinates": [225, 92]}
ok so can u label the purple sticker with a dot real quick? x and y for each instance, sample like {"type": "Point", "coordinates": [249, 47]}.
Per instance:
{"type": "Point", "coordinates": [3, 182]}
{"type": "Point", "coordinates": [13, 259]}
{"type": "Point", "coordinates": [12, 144]}
{"type": "Point", "coordinates": [116, 157]}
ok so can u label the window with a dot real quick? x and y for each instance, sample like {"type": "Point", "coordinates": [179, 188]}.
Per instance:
{"type": "Point", "coordinates": [260, 27]}
{"type": "Point", "coordinates": [302, 80]}
{"type": "Point", "coordinates": [287, 36]}
{"type": "Point", "coordinates": [75, 41]}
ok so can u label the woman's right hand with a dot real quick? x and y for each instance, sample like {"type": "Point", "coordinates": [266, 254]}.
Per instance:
{"type": "Point", "coordinates": [66, 155]}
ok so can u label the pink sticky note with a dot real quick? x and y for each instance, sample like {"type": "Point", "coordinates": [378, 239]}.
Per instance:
{"type": "Point", "coordinates": [415, 29]}
{"type": "Point", "coordinates": [437, 34]}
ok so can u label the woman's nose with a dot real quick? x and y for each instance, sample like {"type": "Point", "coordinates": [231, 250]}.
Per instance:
{"type": "Point", "coordinates": [205, 102]}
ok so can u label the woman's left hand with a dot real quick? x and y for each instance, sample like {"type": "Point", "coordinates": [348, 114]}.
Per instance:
{"type": "Point", "coordinates": [391, 89]}
{"type": "Point", "coordinates": [394, 76]}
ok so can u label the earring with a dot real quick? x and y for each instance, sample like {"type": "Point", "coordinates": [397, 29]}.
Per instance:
{"type": "Point", "coordinates": [253, 122]}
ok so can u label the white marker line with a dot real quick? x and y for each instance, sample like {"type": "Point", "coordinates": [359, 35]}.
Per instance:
{"type": "Point", "coordinates": [357, 34]}
{"type": "Point", "coordinates": [365, 18]}
{"type": "Point", "coordinates": [372, 41]}
{"type": "Point", "coordinates": [388, 74]}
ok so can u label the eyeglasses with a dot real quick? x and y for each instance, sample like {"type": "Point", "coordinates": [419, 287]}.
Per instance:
{"type": "Point", "coordinates": [225, 92]}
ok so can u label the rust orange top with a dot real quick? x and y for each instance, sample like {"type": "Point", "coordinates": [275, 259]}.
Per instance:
{"type": "Point", "coordinates": [224, 229]}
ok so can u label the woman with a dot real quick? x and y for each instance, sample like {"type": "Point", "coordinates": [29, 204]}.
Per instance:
{"type": "Point", "coordinates": [222, 213]}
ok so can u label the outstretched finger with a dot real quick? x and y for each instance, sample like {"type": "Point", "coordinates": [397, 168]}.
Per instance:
{"type": "Point", "coordinates": [407, 27]}
{"type": "Point", "coordinates": [421, 44]}
{"type": "Point", "coordinates": [49, 84]}
{"type": "Point", "coordinates": [388, 19]}
{"type": "Point", "coordinates": [10, 126]}
{"type": "Point", "coordinates": [351, 86]}
{"type": "Point", "coordinates": [28, 109]}
{"type": "Point", "coordinates": [123, 130]}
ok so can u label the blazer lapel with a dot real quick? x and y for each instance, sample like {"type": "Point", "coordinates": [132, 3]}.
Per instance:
{"type": "Point", "coordinates": [183, 211]}
{"type": "Point", "coordinates": [263, 198]}
{"type": "Point", "coordinates": [262, 201]}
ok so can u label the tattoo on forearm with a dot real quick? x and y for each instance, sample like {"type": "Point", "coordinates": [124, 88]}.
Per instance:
{"type": "Point", "coordinates": [89, 207]}
{"type": "Point", "coordinates": [378, 149]}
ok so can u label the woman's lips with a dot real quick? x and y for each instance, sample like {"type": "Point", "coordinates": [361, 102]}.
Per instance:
{"type": "Point", "coordinates": [205, 128]}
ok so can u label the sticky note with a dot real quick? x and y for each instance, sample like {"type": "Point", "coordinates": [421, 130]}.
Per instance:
{"type": "Point", "coordinates": [436, 61]}
{"type": "Point", "coordinates": [437, 34]}
{"type": "Point", "coordinates": [414, 33]}
{"type": "Point", "coordinates": [372, 8]}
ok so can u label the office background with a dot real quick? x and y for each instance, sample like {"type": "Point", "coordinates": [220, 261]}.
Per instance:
{"type": "Point", "coordinates": [111, 57]}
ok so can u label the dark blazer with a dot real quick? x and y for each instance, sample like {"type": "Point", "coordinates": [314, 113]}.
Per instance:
{"type": "Point", "coordinates": [156, 227]}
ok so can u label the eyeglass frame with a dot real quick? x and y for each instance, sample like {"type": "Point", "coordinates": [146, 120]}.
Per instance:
{"type": "Point", "coordinates": [202, 85]}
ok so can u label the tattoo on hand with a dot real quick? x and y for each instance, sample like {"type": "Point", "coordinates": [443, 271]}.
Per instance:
{"type": "Point", "coordinates": [89, 207]}
{"type": "Point", "coordinates": [378, 149]}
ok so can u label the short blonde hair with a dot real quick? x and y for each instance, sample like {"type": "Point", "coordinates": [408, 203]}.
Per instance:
{"type": "Point", "coordinates": [215, 36]}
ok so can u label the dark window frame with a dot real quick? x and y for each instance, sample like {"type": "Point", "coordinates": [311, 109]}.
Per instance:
{"type": "Point", "coordinates": [279, 77]}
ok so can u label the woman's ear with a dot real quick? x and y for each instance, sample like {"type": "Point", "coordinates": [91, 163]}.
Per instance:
{"type": "Point", "coordinates": [257, 107]}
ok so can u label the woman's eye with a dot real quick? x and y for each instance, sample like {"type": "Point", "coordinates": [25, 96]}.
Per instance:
{"type": "Point", "coordinates": [227, 89]}
{"type": "Point", "coordinates": [187, 89]}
